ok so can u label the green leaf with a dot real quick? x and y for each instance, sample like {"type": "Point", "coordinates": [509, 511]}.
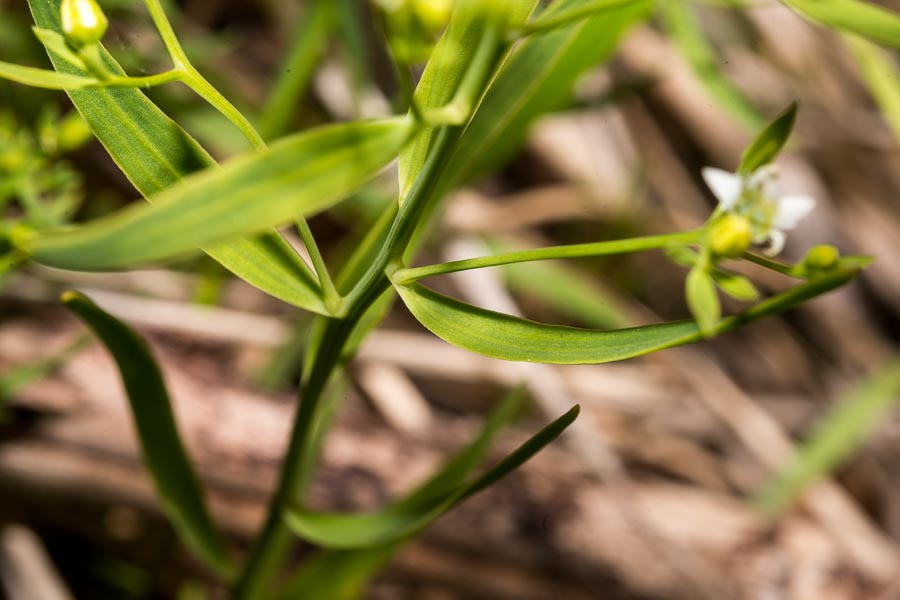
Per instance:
{"type": "Point", "coordinates": [297, 176]}
{"type": "Point", "coordinates": [510, 338]}
{"type": "Point", "coordinates": [702, 299]}
{"type": "Point", "coordinates": [768, 144]}
{"type": "Point", "coordinates": [881, 75]}
{"type": "Point", "coordinates": [862, 18]}
{"type": "Point", "coordinates": [836, 437]}
{"type": "Point", "coordinates": [164, 454]}
{"type": "Point", "coordinates": [736, 286]}
{"type": "Point", "coordinates": [154, 153]}
{"type": "Point", "coordinates": [42, 78]}
{"type": "Point", "coordinates": [444, 72]}
{"type": "Point", "coordinates": [706, 63]}
{"type": "Point", "coordinates": [399, 521]}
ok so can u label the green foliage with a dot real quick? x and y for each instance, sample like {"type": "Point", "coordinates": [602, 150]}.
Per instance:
{"type": "Point", "coordinates": [511, 338]}
{"type": "Point", "coordinates": [486, 78]}
{"type": "Point", "coordinates": [154, 153]}
{"type": "Point", "coordinates": [768, 144]}
{"type": "Point", "coordinates": [881, 75]}
{"type": "Point", "coordinates": [702, 299]}
{"type": "Point", "coordinates": [164, 453]}
{"type": "Point", "coordinates": [298, 176]}
{"type": "Point", "coordinates": [441, 493]}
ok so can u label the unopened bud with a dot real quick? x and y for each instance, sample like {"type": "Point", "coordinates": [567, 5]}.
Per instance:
{"type": "Point", "coordinates": [83, 22]}
{"type": "Point", "coordinates": [434, 14]}
{"type": "Point", "coordinates": [821, 257]}
{"type": "Point", "coordinates": [730, 237]}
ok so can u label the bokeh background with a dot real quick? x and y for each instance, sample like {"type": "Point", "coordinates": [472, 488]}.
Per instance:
{"type": "Point", "coordinates": [649, 496]}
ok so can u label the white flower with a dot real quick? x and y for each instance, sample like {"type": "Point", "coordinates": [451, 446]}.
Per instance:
{"type": "Point", "coordinates": [758, 198]}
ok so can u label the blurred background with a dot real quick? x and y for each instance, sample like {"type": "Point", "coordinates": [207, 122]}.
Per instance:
{"type": "Point", "coordinates": [649, 496]}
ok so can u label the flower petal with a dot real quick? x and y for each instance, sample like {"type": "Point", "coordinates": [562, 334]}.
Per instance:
{"type": "Point", "coordinates": [765, 180]}
{"type": "Point", "coordinates": [724, 185]}
{"type": "Point", "coordinates": [776, 243]}
{"type": "Point", "coordinates": [791, 209]}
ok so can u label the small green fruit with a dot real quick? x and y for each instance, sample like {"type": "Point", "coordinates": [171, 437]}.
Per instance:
{"type": "Point", "coordinates": [821, 257]}
{"type": "Point", "coordinates": [730, 236]}
{"type": "Point", "coordinates": [83, 22]}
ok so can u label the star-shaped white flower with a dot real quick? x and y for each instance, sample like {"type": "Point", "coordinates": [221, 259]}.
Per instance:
{"type": "Point", "coordinates": [758, 198]}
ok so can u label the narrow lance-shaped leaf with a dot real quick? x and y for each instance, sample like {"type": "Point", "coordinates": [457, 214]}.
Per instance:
{"type": "Point", "coordinates": [852, 16]}
{"type": "Point", "coordinates": [770, 142]}
{"type": "Point", "coordinates": [154, 153]}
{"type": "Point", "coordinates": [402, 520]}
{"type": "Point", "coordinates": [298, 176]}
{"type": "Point", "coordinates": [836, 436]}
{"type": "Point", "coordinates": [510, 338]}
{"type": "Point", "coordinates": [164, 454]}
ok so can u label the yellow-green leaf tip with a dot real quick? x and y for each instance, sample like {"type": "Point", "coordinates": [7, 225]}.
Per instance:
{"type": "Point", "coordinates": [83, 22]}
{"type": "Point", "coordinates": [70, 297]}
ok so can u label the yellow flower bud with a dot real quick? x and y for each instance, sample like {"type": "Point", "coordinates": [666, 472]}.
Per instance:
{"type": "Point", "coordinates": [83, 22]}
{"type": "Point", "coordinates": [730, 236]}
{"type": "Point", "coordinates": [821, 257]}
{"type": "Point", "coordinates": [434, 14]}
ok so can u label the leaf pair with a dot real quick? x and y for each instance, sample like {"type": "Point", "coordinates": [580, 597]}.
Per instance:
{"type": "Point", "coordinates": [155, 153]}
{"type": "Point", "coordinates": [444, 490]}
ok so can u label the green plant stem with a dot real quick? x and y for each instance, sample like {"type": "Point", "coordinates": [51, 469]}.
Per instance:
{"type": "Point", "coordinates": [274, 540]}
{"type": "Point", "coordinates": [406, 276]}
{"type": "Point", "coordinates": [772, 265]}
{"type": "Point", "coordinates": [333, 300]}
{"type": "Point", "coordinates": [147, 81]}
{"type": "Point", "coordinates": [194, 80]}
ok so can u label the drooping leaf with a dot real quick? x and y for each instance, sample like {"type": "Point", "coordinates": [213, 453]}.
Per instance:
{"type": "Point", "coordinates": [397, 522]}
{"type": "Point", "coordinates": [165, 457]}
{"type": "Point", "coordinates": [736, 286]}
{"type": "Point", "coordinates": [510, 338]}
{"type": "Point", "coordinates": [852, 16]}
{"type": "Point", "coordinates": [154, 153]}
{"type": "Point", "coordinates": [298, 176]}
{"type": "Point", "coordinates": [702, 299]}
{"type": "Point", "coordinates": [765, 148]}
{"type": "Point", "coordinates": [837, 436]}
